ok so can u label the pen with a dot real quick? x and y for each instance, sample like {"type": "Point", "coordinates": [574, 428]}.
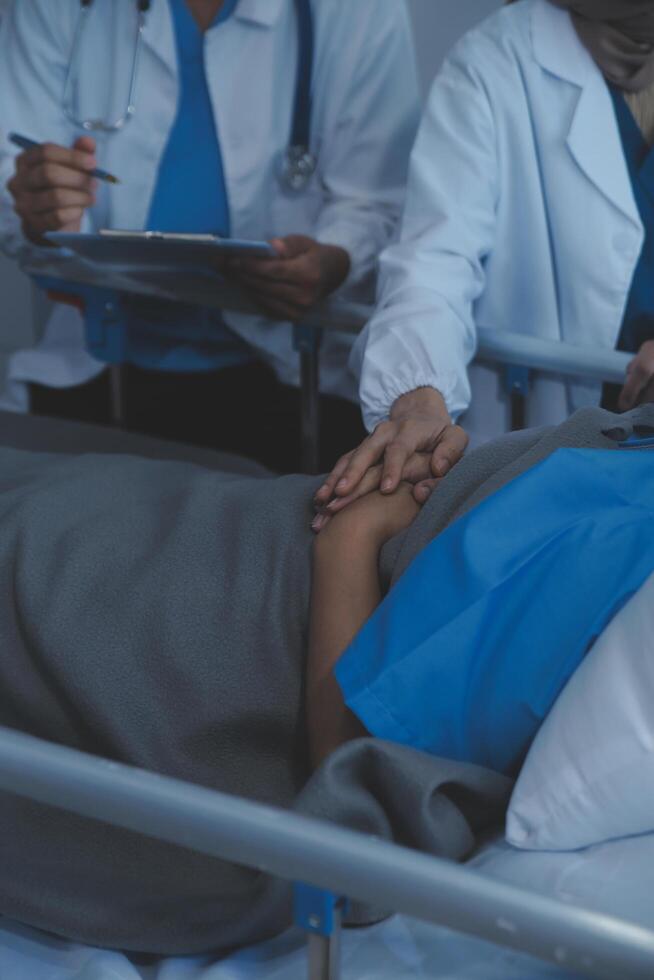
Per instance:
{"type": "Point", "coordinates": [25, 144]}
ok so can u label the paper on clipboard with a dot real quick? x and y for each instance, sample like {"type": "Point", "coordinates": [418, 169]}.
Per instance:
{"type": "Point", "coordinates": [148, 249]}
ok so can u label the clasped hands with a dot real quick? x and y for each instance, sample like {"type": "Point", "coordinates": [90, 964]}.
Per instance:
{"type": "Point", "coordinates": [418, 445]}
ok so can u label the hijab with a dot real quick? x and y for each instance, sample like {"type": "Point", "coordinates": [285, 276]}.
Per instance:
{"type": "Point", "coordinates": [620, 36]}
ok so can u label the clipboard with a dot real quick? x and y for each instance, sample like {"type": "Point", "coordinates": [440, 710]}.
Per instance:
{"type": "Point", "coordinates": [157, 250]}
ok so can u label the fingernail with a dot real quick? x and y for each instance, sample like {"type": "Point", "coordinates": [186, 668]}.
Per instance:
{"type": "Point", "coordinates": [317, 522]}
{"type": "Point", "coordinates": [324, 488]}
{"type": "Point", "coordinates": [341, 484]}
{"type": "Point", "coordinates": [387, 484]}
{"type": "Point", "coordinates": [442, 469]}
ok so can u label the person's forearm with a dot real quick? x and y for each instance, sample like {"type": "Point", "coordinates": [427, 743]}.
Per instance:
{"type": "Point", "coordinates": [345, 593]}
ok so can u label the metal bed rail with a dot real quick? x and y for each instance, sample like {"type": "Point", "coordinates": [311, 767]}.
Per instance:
{"type": "Point", "coordinates": [105, 293]}
{"type": "Point", "coordinates": [333, 860]}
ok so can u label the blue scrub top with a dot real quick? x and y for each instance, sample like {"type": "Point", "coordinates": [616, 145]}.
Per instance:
{"type": "Point", "coordinates": [638, 323]}
{"type": "Point", "coordinates": [190, 196]}
{"type": "Point", "coordinates": [470, 649]}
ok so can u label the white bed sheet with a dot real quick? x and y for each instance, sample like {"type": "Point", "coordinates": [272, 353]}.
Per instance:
{"type": "Point", "coordinates": [615, 878]}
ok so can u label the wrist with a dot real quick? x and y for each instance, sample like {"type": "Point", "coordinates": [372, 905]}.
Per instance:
{"type": "Point", "coordinates": [347, 541]}
{"type": "Point", "coordinates": [425, 401]}
{"type": "Point", "coordinates": [336, 264]}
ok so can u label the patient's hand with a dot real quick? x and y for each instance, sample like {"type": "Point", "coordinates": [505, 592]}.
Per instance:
{"type": "Point", "coordinates": [414, 480]}
{"type": "Point", "coordinates": [372, 520]}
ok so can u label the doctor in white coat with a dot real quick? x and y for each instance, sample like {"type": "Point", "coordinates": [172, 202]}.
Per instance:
{"type": "Point", "coordinates": [522, 215]}
{"type": "Point", "coordinates": [241, 57]}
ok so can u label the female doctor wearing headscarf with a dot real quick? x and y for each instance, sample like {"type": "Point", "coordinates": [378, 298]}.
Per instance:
{"type": "Point", "coordinates": [530, 209]}
{"type": "Point", "coordinates": [218, 88]}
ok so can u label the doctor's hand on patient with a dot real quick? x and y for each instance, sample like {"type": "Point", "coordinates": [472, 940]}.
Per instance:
{"type": "Point", "coordinates": [418, 444]}
{"type": "Point", "coordinates": [52, 187]}
{"type": "Point", "coordinates": [303, 273]}
{"type": "Point", "coordinates": [639, 386]}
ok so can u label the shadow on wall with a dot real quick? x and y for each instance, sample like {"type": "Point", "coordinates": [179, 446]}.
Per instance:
{"type": "Point", "coordinates": [439, 24]}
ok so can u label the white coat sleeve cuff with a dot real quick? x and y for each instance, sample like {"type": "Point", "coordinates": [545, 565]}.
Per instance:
{"type": "Point", "coordinates": [378, 408]}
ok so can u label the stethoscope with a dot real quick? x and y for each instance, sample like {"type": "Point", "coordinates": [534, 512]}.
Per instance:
{"type": "Point", "coordinates": [298, 164]}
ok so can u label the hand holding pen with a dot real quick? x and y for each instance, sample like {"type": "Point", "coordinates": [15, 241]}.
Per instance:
{"type": "Point", "coordinates": [53, 186]}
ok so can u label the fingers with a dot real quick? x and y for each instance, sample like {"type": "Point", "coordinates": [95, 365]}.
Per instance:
{"type": "Point", "coordinates": [292, 246]}
{"type": "Point", "coordinates": [85, 144]}
{"type": "Point", "coordinates": [414, 450]}
{"type": "Point", "coordinates": [638, 378]}
{"type": "Point", "coordinates": [369, 454]}
{"type": "Point", "coordinates": [417, 468]}
{"type": "Point", "coordinates": [52, 210]}
{"type": "Point", "coordinates": [397, 454]}
{"type": "Point", "coordinates": [415, 436]}
{"type": "Point", "coordinates": [370, 482]}
{"type": "Point", "coordinates": [259, 270]}
{"type": "Point", "coordinates": [320, 522]}
{"type": "Point", "coordinates": [326, 491]}
{"type": "Point", "coordinates": [298, 257]}
{"type": "Point", "coordinates": [53, 186]}
{"type": "Point", "coordinates": [54, 200]}
{"type": "Point", "coordinates": [416, 471]}
{"type": "Point", "coordinates": [45, 176]}
{"type": "Point", "coordinates": [451, 447]}
{"type": "Point", "coordinates": [260, 274]}
{"type": "Point", "coordinates": [281, 290]}
{"type": "Point", "coordinates": [264, 267]}
{"type": "Point", "coordinates": [423, 490]}
{"type": "Point", "coordinates": [282, 299]}
{"type": "Point", "coordinates": [50, 153]}
{"type": "Point", "coordinates": [64, 219]}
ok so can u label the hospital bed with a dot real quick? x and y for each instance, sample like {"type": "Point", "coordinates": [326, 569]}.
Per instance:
{"type": "Point", "coordinates": [507, 914]}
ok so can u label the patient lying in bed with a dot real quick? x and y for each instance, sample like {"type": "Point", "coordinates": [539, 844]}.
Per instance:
{"type": "Point", "coordinates": [157, 614]}
{"type": "Point", "coordinates": [469, 651]}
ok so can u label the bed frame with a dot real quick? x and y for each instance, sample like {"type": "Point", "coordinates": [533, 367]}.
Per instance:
{"type": "Point", "coordinates": [327, 864]}
{"type": "Point", "coordinates": [330, 864]}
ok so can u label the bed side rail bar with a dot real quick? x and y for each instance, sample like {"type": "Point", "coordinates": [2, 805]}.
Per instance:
{"type": "Point", "coordinates": [494, 346]}
{"type": "Point", "coordinates": [346, 863]}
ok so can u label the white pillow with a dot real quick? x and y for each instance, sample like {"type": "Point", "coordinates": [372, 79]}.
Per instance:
{"type": "Point", "coordinates": [589, 775]}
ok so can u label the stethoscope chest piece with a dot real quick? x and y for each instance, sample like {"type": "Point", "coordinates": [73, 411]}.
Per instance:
{"type": "Point", "coordinates": [298, 166]}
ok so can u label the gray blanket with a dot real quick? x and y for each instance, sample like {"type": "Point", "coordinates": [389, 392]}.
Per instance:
{"type": "Point", "coordinates": [155, 613]}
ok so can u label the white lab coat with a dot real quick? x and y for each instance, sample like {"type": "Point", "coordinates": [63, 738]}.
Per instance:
{"type": "Point", "coordinates": [520, 216]}
{"type": "Point", "coordinates": [365, 117]}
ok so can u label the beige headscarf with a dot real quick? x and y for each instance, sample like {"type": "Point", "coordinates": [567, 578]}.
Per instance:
{"type": "Point", "coordinates": [620, 36]}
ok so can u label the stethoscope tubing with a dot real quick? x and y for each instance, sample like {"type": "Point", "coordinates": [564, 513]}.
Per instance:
{"type": "Point", "coordinates": [298, 165]}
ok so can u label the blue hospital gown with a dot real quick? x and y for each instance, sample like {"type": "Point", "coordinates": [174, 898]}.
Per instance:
{"type": "Point", "coordinates": [467, 654]}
